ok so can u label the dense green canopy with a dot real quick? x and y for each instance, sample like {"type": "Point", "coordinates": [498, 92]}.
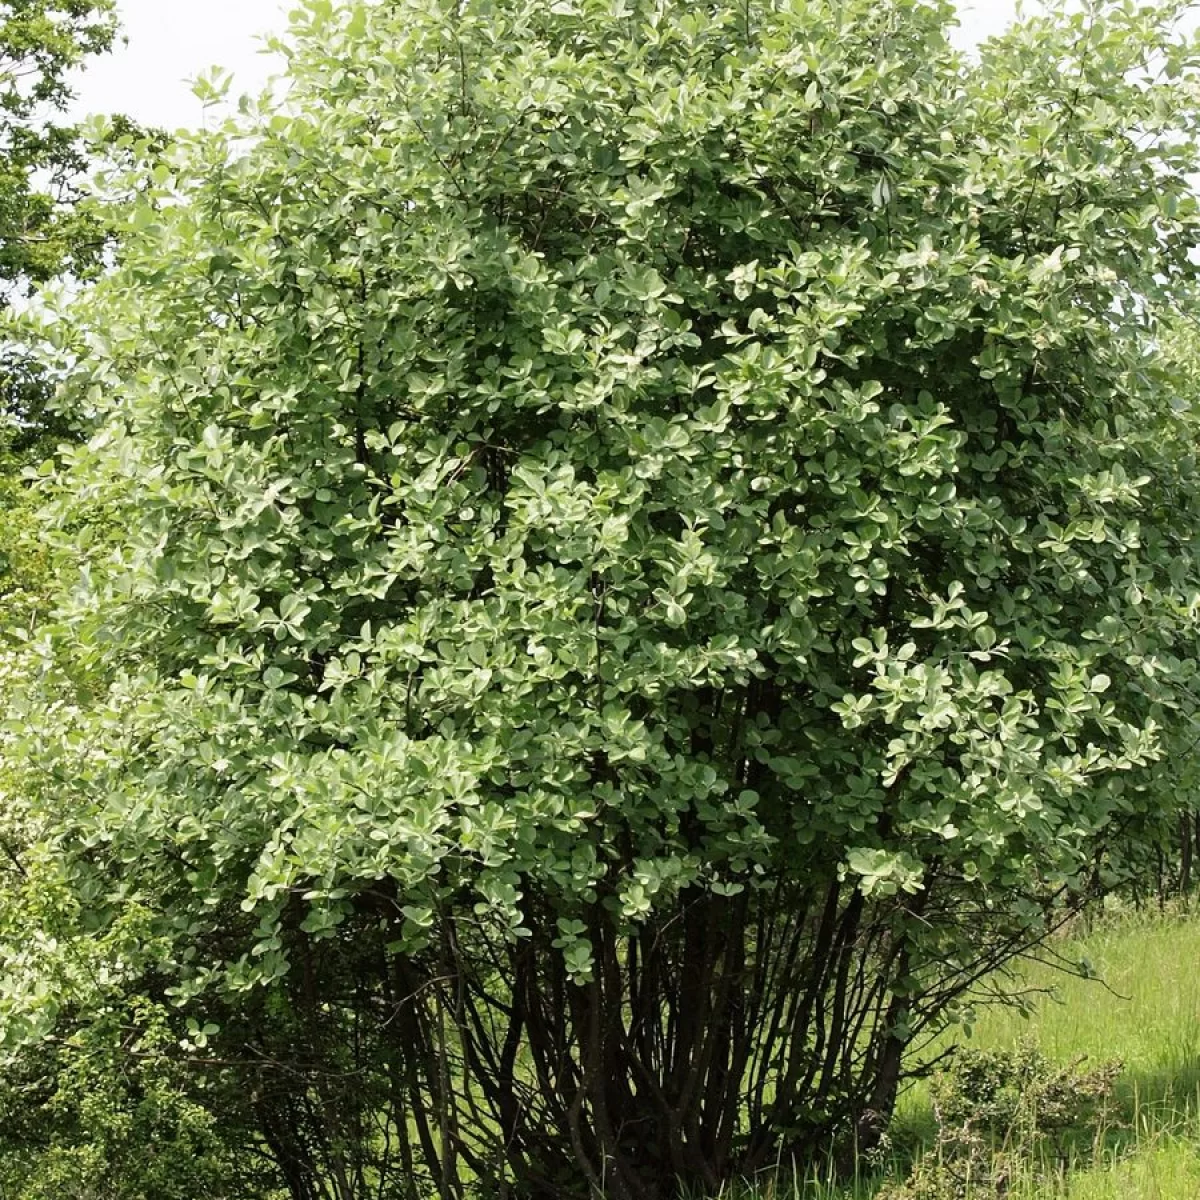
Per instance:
{"type": "Point", "coordinates": [632, 551]}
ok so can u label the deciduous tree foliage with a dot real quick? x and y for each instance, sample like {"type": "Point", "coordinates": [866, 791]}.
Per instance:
{"type": "Point", "coordinates": [41, 41]}
{"type": "Point", "coordinates": [43, 233]}
{"type": "Point", "coordinates": [43, 230]}
{"type": "Point", "coordinates": [657, 544]}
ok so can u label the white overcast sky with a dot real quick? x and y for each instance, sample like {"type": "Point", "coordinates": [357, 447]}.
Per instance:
{"type": "Point", "coordinates": [171, 41]}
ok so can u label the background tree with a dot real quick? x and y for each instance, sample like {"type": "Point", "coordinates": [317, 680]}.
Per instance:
{"type": "Point", "coordinates": [657, 548]}
{"type": "Point", "coordinates": [43, 230]}
{"type": "Point", "coordinates": [41, 43]}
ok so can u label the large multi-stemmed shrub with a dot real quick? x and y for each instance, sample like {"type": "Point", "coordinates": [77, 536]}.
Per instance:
{"type": "Point", "coordinates": [633, 551]}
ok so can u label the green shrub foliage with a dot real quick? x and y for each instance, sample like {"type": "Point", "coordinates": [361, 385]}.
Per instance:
{"type": "Point", "coordinates": [634, 550]}
{"type": "Point", "coordinates": [1006, 1117]}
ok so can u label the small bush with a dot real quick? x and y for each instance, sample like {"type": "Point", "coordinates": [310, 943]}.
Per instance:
{"type": "Point", "coordinates": [1001, 1113]}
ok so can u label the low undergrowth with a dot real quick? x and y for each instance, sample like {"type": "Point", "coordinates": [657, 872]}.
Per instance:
{"type": "Point", "coordinates": [1091, 1094]}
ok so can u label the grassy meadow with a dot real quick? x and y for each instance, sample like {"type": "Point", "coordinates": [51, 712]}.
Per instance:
{"type": "Point", "coordinates": [1144, 1010]}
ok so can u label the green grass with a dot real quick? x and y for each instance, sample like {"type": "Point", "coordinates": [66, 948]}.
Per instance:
{"type": "Point", "coordinates": [1145, 1011]}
